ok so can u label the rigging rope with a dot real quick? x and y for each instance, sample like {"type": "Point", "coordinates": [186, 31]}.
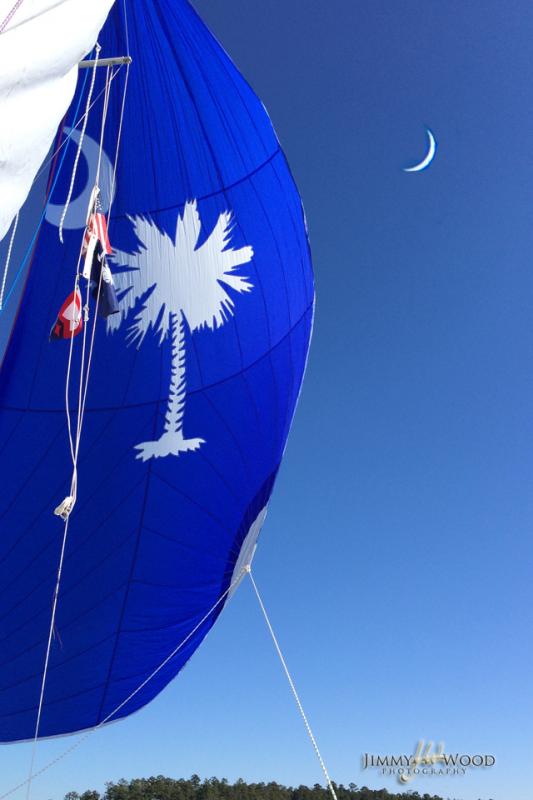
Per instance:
{"type": "Point", "coordinates": [80, 145]}
{"type": "Point", "coordinates": [119, 137]}
{"type": "Point", "coordinates": [68, 503]}
{"type": "Point", "coordinates": [126, 27]}
{"type": "Point", "coordinates": [8, 259]}
{"type": "Point", "coordinates": [10, 16]}
{"type": "Point", "coordinates": [58, 581]}
{"type": "Point", "coordinates": [84, 374]}
{"type": "Point", "coordinates": [47, 659]}
{"type": "Point", "coordinates": [81, 411]}
{"type": "Point", "coordinates": [65, 508]}
{"type": "Point", "coordinates": [104, 118]}
{"type": "Point", "coordinates": [80, 119]}
{"type": "Point", "coordinates": [291, 684]}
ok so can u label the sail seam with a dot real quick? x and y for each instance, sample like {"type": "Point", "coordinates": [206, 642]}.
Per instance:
{"type": "Point", "coordinates": [222, 190]}
{"type": "Point", "coordinates": [163, 400]}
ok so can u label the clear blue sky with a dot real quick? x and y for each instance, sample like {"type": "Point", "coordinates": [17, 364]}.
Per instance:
{"type": "Point", "coordinates": [396, 560]}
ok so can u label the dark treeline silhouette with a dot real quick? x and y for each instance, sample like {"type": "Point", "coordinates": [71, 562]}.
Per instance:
{"type": "Point", "coordinates": [161, 788]}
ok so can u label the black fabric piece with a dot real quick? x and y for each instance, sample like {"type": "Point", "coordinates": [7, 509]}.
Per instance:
{"type": "Point", "coordinates": [102, 284]}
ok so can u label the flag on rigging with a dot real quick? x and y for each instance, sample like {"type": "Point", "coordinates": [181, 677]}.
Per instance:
{"type": "Point", "coordinates": [97, 226]}
{"type": "Point", "coordinates": [102, 286]}
{"type": "Point", "coordinates": [69, 321]}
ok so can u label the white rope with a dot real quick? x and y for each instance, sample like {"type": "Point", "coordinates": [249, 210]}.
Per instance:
{"type": "Point", "coordinates": [104, 117]}
{"type": "Point", "coordinates": [85, 374]}
{"type": "Point", "coordinates": [54, 602]}
{"type": "Point", "coordinates": [126, 27]}
{"type": "Point", "coordinates": [47, 659]}
{"type": "Point", "coordinates": [82, 392]}
{"type": "Point", "coordinates": [78, 122]}
{"type": "Point", "coordinates": [136, 691]}
{"type": "Point", "coordinates": [10, 16]}
{"type": "Point", "coordinates": [8, 259]}
{"type": "Point", "coordinates": [69, 502]}
{"type": "Point", "coordinates": [80, 145]}
{"type": "Point", "coordinates": [119, 138]}
{"type": "Point", "coordinates": [67, 382]}
{"type": "Point", "coordinates": [291, 684]}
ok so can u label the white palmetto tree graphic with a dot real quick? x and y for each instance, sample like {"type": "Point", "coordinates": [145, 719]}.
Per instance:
{"type": "Point", "coordinates": [170, 281]}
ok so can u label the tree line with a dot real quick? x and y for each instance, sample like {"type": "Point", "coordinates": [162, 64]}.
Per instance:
{"type": "Point", "coordinates": [161, 788]}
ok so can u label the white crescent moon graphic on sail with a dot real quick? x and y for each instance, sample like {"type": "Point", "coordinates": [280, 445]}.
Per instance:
{"type": "Point", "coordinates": [77, 210]}
{"type": "Point", "coordinates": [429, 157]}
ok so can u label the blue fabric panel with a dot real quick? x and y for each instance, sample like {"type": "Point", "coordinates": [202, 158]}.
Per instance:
{"type": "Point", "coordinates": [152, 543]}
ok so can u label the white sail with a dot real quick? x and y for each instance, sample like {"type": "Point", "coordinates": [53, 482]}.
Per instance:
{"type": "Point", "coordinates": [40, 49]}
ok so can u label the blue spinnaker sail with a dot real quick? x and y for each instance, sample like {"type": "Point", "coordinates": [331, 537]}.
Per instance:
{"type": "Point", "coordinates": [192, 388]}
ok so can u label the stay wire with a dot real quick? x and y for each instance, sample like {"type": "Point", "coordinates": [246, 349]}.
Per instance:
{"type": "Point", "coordinates": [104, 118]}
{"type": "Point", "coordinates": [80, 145]}
{"type": "Point", "coordinates": [81, 413]}
{"type": "Point", "coordinates": [119, 139]}
{"type": "Point", "coordinates": [10, 16]}
{"type": "Point", "coordinates": [126, 27]}
{"type": "Point", "coordinates": [79, 120]}
{"type": "Point", "coordinates": [84, 376]}
{"type": "Point", "coordinates": [74, 449]}
{"type": "Point", "coordinates": [61, 557]}
{"type": "Point", "coordinates": [47, 659]}
{"type": "Point", "coordinates": [291, 684]}
{"type": "Point", "coordinates": [84, 379]}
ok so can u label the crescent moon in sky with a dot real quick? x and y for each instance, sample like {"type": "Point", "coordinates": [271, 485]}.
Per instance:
{"type": "Point", "coordinates": [429, 157]}
{"type": "Point", "coordinates": [77, 211]}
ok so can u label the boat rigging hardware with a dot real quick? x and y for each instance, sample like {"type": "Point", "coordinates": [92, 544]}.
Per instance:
{"type": "Point", "coordinates": [63, 510]}
{"type": "Point", "coordinates": [105, 62]}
